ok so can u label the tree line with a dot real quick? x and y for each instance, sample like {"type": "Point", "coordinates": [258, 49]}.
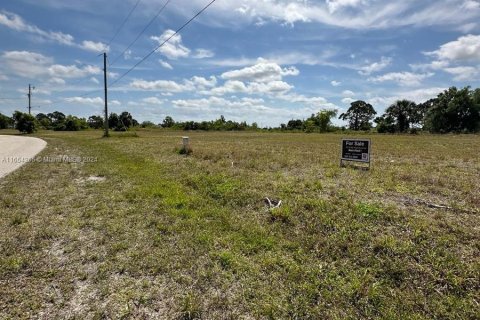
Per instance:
{"type": "Point", "coordinates": [453, 110]}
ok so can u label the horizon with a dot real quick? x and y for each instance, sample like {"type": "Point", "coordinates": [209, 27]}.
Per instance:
{"type": "Point", "coordinates": [265, 62]}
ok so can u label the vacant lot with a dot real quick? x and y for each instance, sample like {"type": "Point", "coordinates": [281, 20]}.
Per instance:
{"type": "Point", "coordinates": [140, 231]}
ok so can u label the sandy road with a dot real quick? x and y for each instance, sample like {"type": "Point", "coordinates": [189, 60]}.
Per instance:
{"type": "Point", "coordinates": [15, 151]}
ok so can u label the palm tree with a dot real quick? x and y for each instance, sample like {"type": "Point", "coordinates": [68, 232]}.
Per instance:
{"type": "Point", "coordinates": [402, 111]}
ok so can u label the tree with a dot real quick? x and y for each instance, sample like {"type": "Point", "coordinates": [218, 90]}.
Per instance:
{"type": "Point", "coordinates": [24, 122]}
{"type": "Point", "coordinates": [454, 111]}
{"type": "Point", "coordinates": [58, 120]}
{"type": "Point", "coordinates": [385, 124]}
{"type": "Point", "coordinates": [5, 122]}
{"type": "Point", "coordinates": [168, 122]}
{"type": "Point", "coordinates": [95, 122]}
{"type": "Point", "coordinates": [125, 121]}
{"type": "Point", "coordinates": [323, 119]}
{"type": "Point", "coordinates": [359, 115]}
{"type": "Point", "coordinates": [44, 121]}
{"type": "Point", "coordinates": [295, 124]}
{"type": "Point", "coordinates": [73, 123]}
{"type": "Point", "coordinates": [147, 124]}
{"type": "Point", "coordinates": [403, 114]}
{"type": "Point", "coordinates": [113, 120]}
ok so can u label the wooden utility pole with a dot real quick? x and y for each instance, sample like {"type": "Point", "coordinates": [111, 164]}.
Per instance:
{"type": "Point", "coordinates": [30, 88]}
{"type": "Point", "coordinates": [105, 124]}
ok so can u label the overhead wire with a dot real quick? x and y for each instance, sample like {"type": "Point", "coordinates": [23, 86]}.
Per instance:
{"type": "Point", "coordinates": [123, 23]}
{"type": "Point", "coordinates": [141, 32]}
{"type": "Point", "coordinates": [163, 43]}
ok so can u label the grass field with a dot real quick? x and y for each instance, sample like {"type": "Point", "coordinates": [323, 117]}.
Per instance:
{"type": "Point", "coordinates": [161, 235]}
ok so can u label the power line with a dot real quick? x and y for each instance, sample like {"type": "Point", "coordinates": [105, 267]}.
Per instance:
{"type": "Point", "coordinates": [140, 34]}
{"type": "Point", "coordinates": [163, 43]}
{"type": "Point", "coordinates": [123, 23]}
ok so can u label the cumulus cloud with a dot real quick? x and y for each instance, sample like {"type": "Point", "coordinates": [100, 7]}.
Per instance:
{"type": "Point", "coordinates": [459, 58]}
{"type": "Point", "coordinates": [402, 78]}
{"type": "Point", "coordinates": [94, 46]}
{"type": "Point", "coordinates": [263, 71]}
{"type": "Point", "coordinates": [465, 48]}
{"type": "Point", "coordinates": [174, 48]}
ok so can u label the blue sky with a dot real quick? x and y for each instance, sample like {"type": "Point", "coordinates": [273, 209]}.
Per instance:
{"type": "Point", "coordinates": [266, 61]}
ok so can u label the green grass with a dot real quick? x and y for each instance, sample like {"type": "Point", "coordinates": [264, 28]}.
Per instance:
{"type": "Point", "coordinates": [170, 236]}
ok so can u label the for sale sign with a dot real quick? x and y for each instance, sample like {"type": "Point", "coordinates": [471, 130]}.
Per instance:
{"type": "Point", "coordinates": [356, 150]}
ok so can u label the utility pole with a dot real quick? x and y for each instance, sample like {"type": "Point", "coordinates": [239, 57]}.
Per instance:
{"type": "Point", "coordinates": [30, 88]}
{"type": "Point", "coordinates": [105, 124]}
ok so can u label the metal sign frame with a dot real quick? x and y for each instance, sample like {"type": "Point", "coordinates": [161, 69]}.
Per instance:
{"type": "Point", "coordinates": [369, 157]}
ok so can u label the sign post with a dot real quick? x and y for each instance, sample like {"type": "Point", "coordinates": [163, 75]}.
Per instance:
{"type": "Point", "coordinates": [357, 150]}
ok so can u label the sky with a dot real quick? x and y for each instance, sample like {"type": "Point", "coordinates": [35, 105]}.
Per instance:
{"type": "Point", "coordinates": [264, 61]}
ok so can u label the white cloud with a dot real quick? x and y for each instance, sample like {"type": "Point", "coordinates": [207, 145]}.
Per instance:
{"type": "Point", "coordinates": [402, 78]}
{"type": "Point", "coordinates": [165, 64]}
{"type": "Point", "coordinates": [57, 81]}
{"type": "Point", "coordinates": [31, 64]}
{"type": "Point", "coordinates": [127, 54]}
{"type": "Point", "coordinates": [160, 85]}
{"type": "Point", "coordinates": [464, 73]}
{"type": "Point", "coordinates": [263, 71]}
{"type": "Point", "coordinates": [26, 64]}
{"type": "Point", "coordinates": [72, 71]}
{"type": "Point", "coordinates": [89, 101]}
{"type": "Point", "coordinates": [317, 102]}
{"type": "Point", "coordinates": [94, 80]}
{"type": "Point", "coordinates": [269, 88]}
{"type": "Point", "coordinates": [94, 46]}
{"type": "Point", "coordinates": [375, 66]}
{"type": "Point", "coordinates": [418, 96]}
{"type": "Point", "coordinates": [15, 22]}
{"type": "Point", "coordinates": [169, 86]}
{"type": "Point", "coordinates": [153, 100]}
{"type": "Point", "coordinates": [348, 93]}
{"type": "Point", "coordinates": [351, 14]}
{"type": "Point", "coordinates": [434, 65]}
{"type": "Point", "coordinates": [203, 53]}
{"type": "Point", "coordinates": [465, 48]}
{"type": "Point", "coordinates": [203, 83]}
{"type": "Point", "coordinates": [174, 48]}
{"type": "Point", "coordinates": [347, 100]}
{"type": "Point", "coordinates": [335, 83]}
{"type": "Point", "coordinates": [334, 5]}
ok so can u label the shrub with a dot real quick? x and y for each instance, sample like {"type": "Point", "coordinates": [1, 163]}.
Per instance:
{"type": "Point", "coordinates": [5, 122]}
{"type": "Point", "coordinates": [24, 122]}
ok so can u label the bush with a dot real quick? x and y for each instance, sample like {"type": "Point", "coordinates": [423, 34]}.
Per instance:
{"type": "Point", "coordinates": [24, 122]}
{"type": "Point", "coordinates": [5, 122]}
